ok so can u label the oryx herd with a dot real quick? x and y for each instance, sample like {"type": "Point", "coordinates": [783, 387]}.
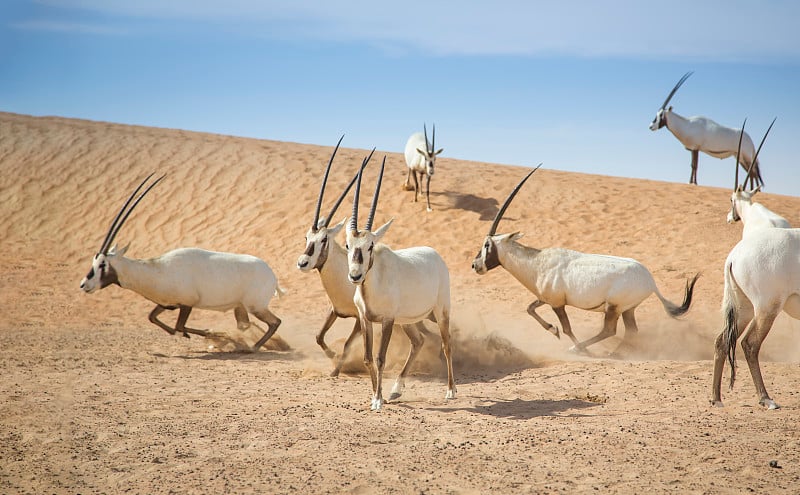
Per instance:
{"type": "Point", "coordinates": [372, 283]}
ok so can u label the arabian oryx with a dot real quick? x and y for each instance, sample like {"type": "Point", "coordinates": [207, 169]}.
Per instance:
{"type": "Point", "coordinates": [703, 134]}
{"type": "Point", "coordinates": [420, 160]}
{"type": "Point", "coordinates": [561, 277]}
{"type": "Point", "coordinates": [754, 216]}
{"type": "Point", "coordinates": [404, 286]}
{"type": "Point", "coordinates": [762, 278]}
{"type": "Point", "coordinates": [330, 260]}
{"type": "Point", "coordinates": [187, 278]}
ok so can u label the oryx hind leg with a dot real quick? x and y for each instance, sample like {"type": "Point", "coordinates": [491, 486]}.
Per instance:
{"type": "Point", "coordinates": [443, 321]}
{"type": "Point", "coordinates": [416, 185]}
{"type": "Point", "coordinates": [242, 318]}
{"type": "Point", "coordinates": [561, 312]}
{"type": "Point", "coordinates": [610, 319]}
{"type": "Point", "coordinates": [272, 321]}
{"type": "Point", "coordinates": [417, 339]}
{"type": "Point", "coordinates": [743, 315]}
{"type": "Point", "coordinates": [751, 345]}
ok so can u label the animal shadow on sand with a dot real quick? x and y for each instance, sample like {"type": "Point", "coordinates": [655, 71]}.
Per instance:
{"type": "Point", "coordinates": [485, 207]}
{"type": "Point", "coordinates": [521, 409]}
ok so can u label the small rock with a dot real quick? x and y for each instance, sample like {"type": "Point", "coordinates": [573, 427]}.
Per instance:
{"type": "Point", "coordinates": [774, 464]}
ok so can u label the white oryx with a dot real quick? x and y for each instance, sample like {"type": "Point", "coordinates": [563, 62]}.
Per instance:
{"type": "Point", "coordinates": [187, 278]}
{"type": "Point", "coordinates": [762, 278]}
{"type": "Point", "coordinates": [404, 286]}
{"type": "Point", "coordinates": [561, 277]}
{"type": "Point", "coordinates": [330, 260]}
{"type": "Point", "coordinates": [754, 216]}
{"type": "Point", "coordinates": [703, 134]}
{"type": "Point", "coordinates": [420, 160]}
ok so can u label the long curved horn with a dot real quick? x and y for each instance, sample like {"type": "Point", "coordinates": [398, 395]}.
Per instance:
{"type": "Point", "coordinates": [374, 206]}
{"type": "Point", "coordinates": [738, 151]}
{"type": "Point", "coordinates": [755, 157]}
{"type": "Point", "coordinates": [322, 188]}
{"type": "Point", "coordinates": [427, 143]}
{"type": "Point", "coordinates": [347, 189]}
{"type": "Point", "coordinates": [672, 93]}
{"type": "Point", "coordinates": [433, 140]}
{"type": "Point", "coordinates": [503, 208]}
{"type": "Point", "coordinates": [107, 240]}
{"type": "Point", "coordinates": [130, 210]}
{"type": "Point", "coordinates": [354, 216]}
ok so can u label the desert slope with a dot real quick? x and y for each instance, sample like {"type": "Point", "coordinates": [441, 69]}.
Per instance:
{"type": "Point", "coordinates": [130, 388]}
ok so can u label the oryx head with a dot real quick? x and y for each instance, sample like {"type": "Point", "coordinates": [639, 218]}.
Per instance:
{"type": "Point", "coordinates": [488, 257]}
{"type": "Point", "coordinates": [661, 116]}
{"type": "Point", "coordinates": [361, 243]}
{"type": "Point", "coordinates": [320, 234]}
{"type": "Point", "coordinates": [102, 273]}
{"type": "Point", "coordinates": [739, 195]}
{"type": "Point", "coordinates": [428, 154]}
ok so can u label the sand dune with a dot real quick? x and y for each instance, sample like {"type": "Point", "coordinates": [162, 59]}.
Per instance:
{"type": "Point", "coordinates": [523, 397]}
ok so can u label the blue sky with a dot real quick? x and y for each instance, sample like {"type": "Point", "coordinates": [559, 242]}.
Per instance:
{"type": "Point", "coordinates": [574, 85]}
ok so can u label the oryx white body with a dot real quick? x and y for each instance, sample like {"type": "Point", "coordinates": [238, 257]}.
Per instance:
{"type": "Point", "coordinates": [188, 278]}
{"type": "Point", "coordinates": [420, 160]}
{"type": "Point", "coordinates": [703, 134]}
{"type": "Point", "coordinates": [404, 286]}
{"type": "Point", "coordinates": [561, 277]}
{"type": "Point", "coordinates": [762, 278]}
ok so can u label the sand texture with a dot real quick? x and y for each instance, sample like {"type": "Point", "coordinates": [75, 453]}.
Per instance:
{"type": "Point", "coordinates": [96, 399]}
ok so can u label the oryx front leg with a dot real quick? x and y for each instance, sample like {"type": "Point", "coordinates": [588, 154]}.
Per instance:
{"type": "Point", "coordinates": [272, 321]}
{"type": "Point", "coordinates": [609, 329]}
{"type": "Point", "coordinates": [324, 330]}
{"type": "Point", "coordinates": [407, 185]}
{"type": "Point", "coordinates": [417, 340]}
{"type": "Point", "coordinates": [180, 325]}
{"type": "Point", "coordinates": [547, 326]}
{"type": "Point", "coordinates": [695, 158]}
{"type": "Point", "coordinates": [346, 348]}
{"type": "Point", "coordinates": [387, 326]}
{"type": "Point", "coordinates": [561, 312]}
{"type": "Point", "coordinates": [366, 332]}
{"type": "Point", "coordinates": [242, 318]}
{"type": "Point", "coordinates": [428, 192]}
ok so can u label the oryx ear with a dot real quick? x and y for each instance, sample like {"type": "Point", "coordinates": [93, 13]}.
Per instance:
{"type": "Point", "coordinates": [439, 151]}
{"type": "Point", "coordinates": [382, 229]}
{"type": "Point", "coordinates": [508, 237]}
{"type": "Point", "coordinates": [121, 252]}
{"type": "Point", "coordinates": [756, 190]}
{"type": "Point", "coordinates": [336, 228]}
{"type": "Point", "coordinates": [669, 109]}
{"type": "Point", "coordinates": [421, 152]}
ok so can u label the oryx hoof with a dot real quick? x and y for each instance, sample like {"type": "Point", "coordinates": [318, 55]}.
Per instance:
{"type": "Point", "coordinates": [769, 404]}
{"type": "Point", "coordinates": [429, 210]}
{"type": "Point", "coordinates": [335, 372]}
{"type": "Point", "coordinates": [555, 331]}
{"type": "Point", "coordinates": [394, 396]}
{"type": "Point", "coordinates": [407, 187]}
{"type": "Point", "coordinates": [717, 403]}
{"type": "Point", "coordinates": [329, 353]}
{"type": "Point", "coordinates": [377, 403]}
{"type": "Point", "coordinates": [578, 349]}
{"type": "Point", "coordinates": [451, 394]}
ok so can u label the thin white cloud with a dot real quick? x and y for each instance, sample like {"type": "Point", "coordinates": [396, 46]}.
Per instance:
{"type": "Point", "coordinates": [719, 29]}
{"type": "Point", "coordinates": [68, 27]}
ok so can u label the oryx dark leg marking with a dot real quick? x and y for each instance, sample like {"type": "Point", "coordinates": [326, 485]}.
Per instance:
{"type": "Point", "coordinates": [428, 192]}
{"type": "Point", "coordinates": [610, 319]}
{"type": "Point", "coordinates": [346, 349]}
{"type": "Point", "coordinates": [547, 326]}
{"type": "Point", "coordinates": [242, 318]}
{"type": "Point", "coordinates": [417, 340]}
{"type": "Point", "coordinates": [693, 178]}
{"type": "Point", "coordinates": [331, 318]}
{"type": "Point", "coordinates": [566, 327]}
{"type": "Point", "coordinates": [180, 326]}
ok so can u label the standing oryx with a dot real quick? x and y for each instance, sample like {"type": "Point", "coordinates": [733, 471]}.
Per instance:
{"type": "Point", "coordinates": [753, 215]}
{"type": "Point", "coordinates": [404, 286]}
{"type": "Point", "coordinates": [187, 278]}
{"type": "Point", "coordinates": [762, 278]}
{"type": "Point", "coordinates": [561, 277]}
{"type": "Point", "coordinates": [703, 134]}
{"type": "Point", "coordinates": [420, 160]}
{"type": "Point", "coordinates": [330, 260]}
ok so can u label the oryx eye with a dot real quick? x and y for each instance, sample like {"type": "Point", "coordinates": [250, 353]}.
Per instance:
{"type": "Point", "coordinates": [324, 240]}
{"type": "Point", "coordinates": [102, 266]}
{"type": "Point", "coordinates": [371, 246]}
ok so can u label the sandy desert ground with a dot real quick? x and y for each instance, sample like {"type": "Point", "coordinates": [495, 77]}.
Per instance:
{"type": "Point", "coordinates": [95, 399]}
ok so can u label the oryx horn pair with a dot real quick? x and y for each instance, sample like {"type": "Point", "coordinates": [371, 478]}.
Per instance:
{"type": "Point", "coordinates": [338, 202]}
{"type": "Point", "coordinates": [123, 215]}
{"type": "Point", "coordinates": [755, 157]}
